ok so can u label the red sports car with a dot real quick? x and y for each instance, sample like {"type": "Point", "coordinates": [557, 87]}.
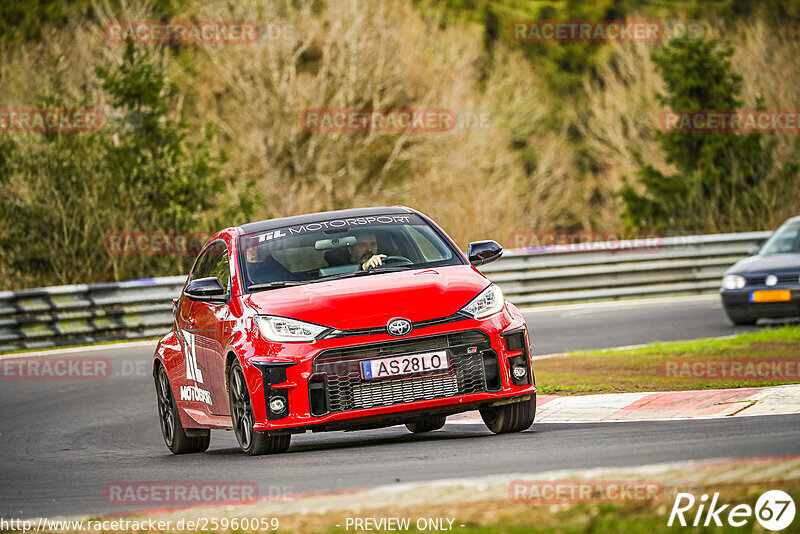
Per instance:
{"type": "Point", "coordinates": [343, 320]}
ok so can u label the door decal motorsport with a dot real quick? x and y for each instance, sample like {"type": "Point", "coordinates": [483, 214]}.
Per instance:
{"type": "Point", "coordinates": [193, 372]}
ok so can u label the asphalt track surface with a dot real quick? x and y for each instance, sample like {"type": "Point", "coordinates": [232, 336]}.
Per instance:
{"type": "Point", "coordinates": [614, 324]}
{"type": "Point", "coordinates": [61, 442]}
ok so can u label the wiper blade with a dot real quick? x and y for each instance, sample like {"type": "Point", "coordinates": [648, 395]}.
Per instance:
{"type": "Point", "coordinates": [275, 284]}
{"type": "Point", "coordinates": [377, 270]}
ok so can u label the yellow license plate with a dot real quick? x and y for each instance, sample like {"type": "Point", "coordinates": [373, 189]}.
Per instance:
{"type": "Point", "coordinates": [771, 295]}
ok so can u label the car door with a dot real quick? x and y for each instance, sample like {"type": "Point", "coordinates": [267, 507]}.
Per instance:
{"type": "Point", "coordinates": [186, 329]}
{"type": "Point", "coordinates": [211, 322]}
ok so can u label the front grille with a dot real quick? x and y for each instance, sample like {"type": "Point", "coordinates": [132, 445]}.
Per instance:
{"type": "Point", "coordinates": [369, 395]}
{"type": "Point", "coordinates": [337, 373]}
{"type": "Point", "coordinates": [458, 316]}
{"type": "Point", "coordinates": [783, 279]}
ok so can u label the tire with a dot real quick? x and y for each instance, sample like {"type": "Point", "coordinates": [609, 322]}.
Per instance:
{"type": "Point", "coordinates": [175, 437]}
{"type": "Point", "coordinates": [507, 418]}
{"type": "Point", "coordinates": [428, 423]}
{"type": "Point", "coordinates": [252, 442]}
{"type": "Point", "coordinates": [740, 318]}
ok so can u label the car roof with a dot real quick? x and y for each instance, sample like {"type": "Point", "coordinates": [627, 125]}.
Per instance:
{"type": "Point", "coordinates": [271, 224]}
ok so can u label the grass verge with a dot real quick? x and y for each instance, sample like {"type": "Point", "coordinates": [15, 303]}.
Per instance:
{"type": "Point", "coordinates": [765, 358]}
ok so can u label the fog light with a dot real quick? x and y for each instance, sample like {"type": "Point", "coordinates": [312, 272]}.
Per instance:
{"type": "Point", "coordinates": [519, 371]}
{"type": "Point", "coordinates": [277, 405]}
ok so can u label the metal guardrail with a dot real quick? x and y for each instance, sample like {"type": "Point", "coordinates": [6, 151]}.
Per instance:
{"type": "Point", "coordinates": [77, 314]}
{"type": "Point", "coordinates": [668, 266]}
{"type": "Point", "coordinates": [86, 313]}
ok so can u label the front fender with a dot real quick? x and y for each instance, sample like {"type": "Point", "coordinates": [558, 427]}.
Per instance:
{"type": "Point", "coordinates": [242, 347]}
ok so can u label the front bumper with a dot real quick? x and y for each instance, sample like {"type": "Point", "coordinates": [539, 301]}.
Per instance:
{"type": "Point", "coordinates": [324, 391]}
{"type": "Point", "coordinates": [740, 301]}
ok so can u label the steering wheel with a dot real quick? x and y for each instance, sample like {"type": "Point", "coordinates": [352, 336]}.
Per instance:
{"type": "Point", "coordinates": [397, 260]}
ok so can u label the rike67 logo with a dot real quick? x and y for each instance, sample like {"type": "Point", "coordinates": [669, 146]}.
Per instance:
{"type": "Point", "coordinates": [774, 510]}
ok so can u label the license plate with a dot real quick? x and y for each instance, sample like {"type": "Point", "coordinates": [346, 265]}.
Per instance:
{"type": "Point", "coordinates": [405, 365]}
{"type": "Point", "coordinates": [771, 295]}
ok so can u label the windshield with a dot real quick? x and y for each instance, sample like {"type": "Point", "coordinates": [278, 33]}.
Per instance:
{"type": "Point", "coordinates": [341, 248]}
{"type": "Point", "coordinates": [785, 240]}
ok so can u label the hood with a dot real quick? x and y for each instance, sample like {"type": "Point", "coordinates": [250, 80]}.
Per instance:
{"type": "Point", "coordinates": [770, 264]}
{"type": "Point", "coordinates": [370, 301]}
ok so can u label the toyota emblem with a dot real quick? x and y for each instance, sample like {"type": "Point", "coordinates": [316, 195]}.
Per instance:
{"type": "Point", "coordinates": [398, 327]}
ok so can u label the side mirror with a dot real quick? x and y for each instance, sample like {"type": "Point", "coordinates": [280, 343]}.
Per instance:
{"type": "Point", "coordinates": [757, 249]}
{"type": "Point", "coordinates": [483, 252]}
{"type": "Point", "coordinates": [205, 289]}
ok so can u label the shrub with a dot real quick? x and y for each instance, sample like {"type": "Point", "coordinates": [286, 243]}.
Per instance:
{"type": "Point", "coordinates": [724, 181]}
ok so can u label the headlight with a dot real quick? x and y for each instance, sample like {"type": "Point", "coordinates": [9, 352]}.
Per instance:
{"type": "Point", "coordinates": [281, 329]}
{"type": "Point", "coordinates": [488, 301]}
{"type": "Point", "coordinates": [733, 281]}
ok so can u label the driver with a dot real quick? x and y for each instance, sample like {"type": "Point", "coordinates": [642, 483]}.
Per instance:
{"type": "Point", "coordinates": [365, 251]}
{"type": "Point", "coordinates": [263, 268]}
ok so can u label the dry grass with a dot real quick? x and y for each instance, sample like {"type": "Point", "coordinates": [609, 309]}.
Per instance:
{"type": "Point", "coordinates": [374, 55]}
{"type": "Point", "coordinates": [623, 111]}
{"type": "Point", "coordinates": [526, 172]}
